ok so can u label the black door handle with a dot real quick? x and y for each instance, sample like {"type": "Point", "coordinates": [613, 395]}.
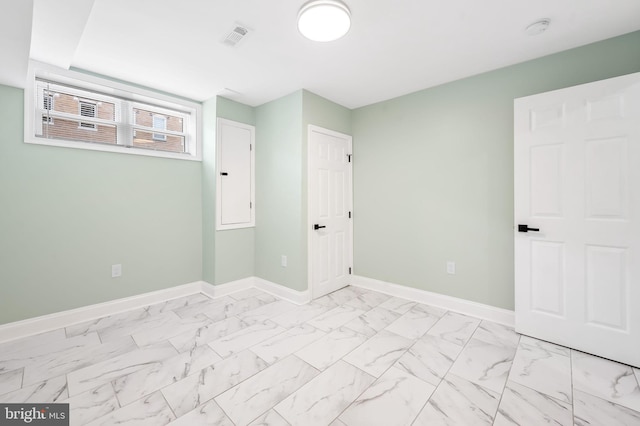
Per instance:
{"type": "Point", "coordinates": [525, 228]}
{"type": "Point", "coordinates": [316, 227]}
{"type": "Point", "coordinates": [224, 174]}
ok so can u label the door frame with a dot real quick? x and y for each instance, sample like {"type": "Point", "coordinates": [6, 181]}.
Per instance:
{"type": "Point", "coordinates": [311, 128]}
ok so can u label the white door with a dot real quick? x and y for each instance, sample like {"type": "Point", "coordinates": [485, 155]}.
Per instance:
{"type": "Point", "coordinates": [330, 228]}
{"type": "Point", "coordinates": [577, 180]}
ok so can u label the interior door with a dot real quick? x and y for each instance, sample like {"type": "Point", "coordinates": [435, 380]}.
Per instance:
{"type": "Point", "coordinates": [577, 184]}
{"type": "Point", "coordinates": [330, 228]}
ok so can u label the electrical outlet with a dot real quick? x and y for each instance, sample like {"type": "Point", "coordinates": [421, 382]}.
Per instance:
{"type": "Point", "coordinates": [283, 261]}
{"type": "Point", "coordinates": [116, 270]}
{"type": "Point", "coordinates": [451, 267]}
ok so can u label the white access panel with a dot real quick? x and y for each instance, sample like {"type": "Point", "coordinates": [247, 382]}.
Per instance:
{"type": "Point", "coordinates": [235, 175]}
{"type": "Point", "coordinates": [577, 181]}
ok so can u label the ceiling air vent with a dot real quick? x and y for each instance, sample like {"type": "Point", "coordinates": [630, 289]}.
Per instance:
{"type": "Point", "coordinates": [235, 36]}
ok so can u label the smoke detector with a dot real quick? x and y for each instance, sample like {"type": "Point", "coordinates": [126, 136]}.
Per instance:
{"type": "Point", "coordinates": [235, 36]}
{"type": "Point", "coordinates": [538, 27]}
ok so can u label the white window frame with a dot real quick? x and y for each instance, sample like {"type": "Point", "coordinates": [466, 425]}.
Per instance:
{"type": "Point", "coordinates": [128, 97]}
{"type": "Point", "coordinates": [87, 126]}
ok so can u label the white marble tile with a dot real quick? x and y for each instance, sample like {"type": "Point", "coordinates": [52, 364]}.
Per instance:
{"type": "Point", "coordinates": [283, 345]}
{"type": "Point", "coordinates": [398, 305]}
{"type": "Point", "coordinates": [325, 301]}
{"type": "Point", "coordinates": [152, 410]}
{"type": "Point", "coordinates": [27, 344]}
{"type": "Point", "coordinates": [117, 320]}
{"type": "Point", "coordinates": [372, 321]}
{"type": "Point", "coordinates": [300, 315]}
{"type": "Point", "coordinates": [606, 379]}
{"type": "Point", "coordinates": [270, 418]}
{"type": "Point", "coordinates": [267, 311]}
{"type": "Point", "coordinates": [207, 414]}
{"type": "Point", "coordinates": [249, 292]}
{"type": "Point", "coordinates": [127, 328]}
{"type": "Point", "coordinates": [189, 393]}
{"type": "Point", "coordinates": [205, 306]}
{"type": "Point", "coordinates": [367, 300]}
{"type": "Point", "coordinates": [416, 322]}
{"type": "Point", "coordinates": [339, 297]}
{"type": "Point", "coordinates": [91, 405]}
{"type": "Point", "coordinates": [546, 346]}
{"type": "Point", "coordinates": [11, 381]}
{"type": "Point", "coordinates": [593, 411]}
{"type": "Point", "coordinates": [52, 390]}
{"type": "Point", "coordinates": [523, 406]}
{"type": "Point", "coordinates": [459, 402]}
{"type": "Point", "coordinates": [429, 358]}
{"type": "Point", "coordinates": [157, 335]}
{"type": "Point", "coordinates": [379, 353]}
{"type": "Point", "coordinates": [322, 399]}
{"type": "Point", "coordinates": [637, 373]}
{"type": "Point", "coordinates": [335, 318]}
{"type": "Point", "coordinates": [157, 375]}
{"type": "Point", "coordinates": [395, 398]}
{"type": "Point", "coordinates": [191, 339]}
{"type": "Point", "coordinates": [454, 327]}
{"type": "Point", "coordinates": [496, 334]}
{"type": "Point", "coordinates": [337, 422]}
{"type": "Point", "coordinates": [484, 364]}
{"type": "Point", "coordinates": [177, 303]}
{"type": "Point", "coordinates": [245, 338]}
{"type": "Point", "coordinates": [110, 369]}
{"type": "Point", "coordinates": [34, 355]}
{"type": "Point", "coordinates": [248, 400]}
{"type": "Point", "coordinates": [330, 348]}
{"type": "Point", "coordinates": [75, 359]}
{"type": "Point", "coordinates": [542, 370]}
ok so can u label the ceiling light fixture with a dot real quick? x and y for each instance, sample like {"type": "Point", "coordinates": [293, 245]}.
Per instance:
{"type": "Point", "coordinates": [537, 27]}
{"type": "Point", "coordinates": [324, 20]}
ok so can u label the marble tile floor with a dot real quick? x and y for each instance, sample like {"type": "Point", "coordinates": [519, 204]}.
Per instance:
{"type": "Point", "coordinates": [353, 357]}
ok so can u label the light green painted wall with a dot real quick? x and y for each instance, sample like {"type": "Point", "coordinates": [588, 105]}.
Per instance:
{"type": "Point", "coordinates": [67, 215]}
{"type": "Point", "coordinates": [433, 174]}
{"type": "Point", "coordinates": [209, 191]}
{"type": "Point", "coordinates": [235, 248]}
{"type": "Point", "coordinates": [278, 192]}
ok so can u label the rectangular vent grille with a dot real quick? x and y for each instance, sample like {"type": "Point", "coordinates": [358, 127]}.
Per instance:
{"type": "Point", "coordinates": [235, 36]}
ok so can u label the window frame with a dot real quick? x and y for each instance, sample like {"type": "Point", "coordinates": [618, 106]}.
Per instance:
{"type": "Point", "coordinates": [159, 137]}
{"type": "Point", "coordinates": [128, 97]}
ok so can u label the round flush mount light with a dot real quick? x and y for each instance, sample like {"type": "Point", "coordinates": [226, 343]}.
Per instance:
{"type": "Point", "coordinates": [324, 20]}
{"type": "Point", "coordinates": [537, 27]}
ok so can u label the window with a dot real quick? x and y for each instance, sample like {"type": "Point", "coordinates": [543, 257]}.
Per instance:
{"type": "Point", "coordinates": [87, 109]}
{"type": "Point", "coordinates": [93, 113]}
{"type": "Point", "coordinates": [159, 122]}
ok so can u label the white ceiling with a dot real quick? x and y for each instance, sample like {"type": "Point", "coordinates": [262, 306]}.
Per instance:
{"type": "Point", "coordinates": [394, 46]}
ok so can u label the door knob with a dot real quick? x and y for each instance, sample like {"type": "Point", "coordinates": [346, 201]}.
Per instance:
{"type": "Point", "coordinates": [316, 227]}
{"type": "Point", "coordinates": [525, 228]}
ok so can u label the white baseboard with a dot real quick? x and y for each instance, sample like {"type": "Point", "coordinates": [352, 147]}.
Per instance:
{"type": "Point", "coordinates": [293, 296]}
{"type": "Point", "coordinates": [227, 288]}
{"type": "Point", "coordinates": [41, 324]}
{"type": "Point", "coordinates": [467, 307]}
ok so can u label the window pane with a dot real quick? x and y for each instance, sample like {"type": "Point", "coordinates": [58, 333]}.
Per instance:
{"type": "Point", "coordinates": [56, 127]}
{"type": "Point", "coordinates": [158, 141]}
{"type": "Point", "coordinates": [75, 130]}
{"type": "Point", "coordinates": [153, 120]}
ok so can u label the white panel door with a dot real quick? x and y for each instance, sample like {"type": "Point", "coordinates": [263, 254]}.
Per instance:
{"type": "Point", "coordinates": [577, 181]}
{"type": "Point", "coordinates": [330, 229]}
{"type": "Point", "coordinates": [235, 175]}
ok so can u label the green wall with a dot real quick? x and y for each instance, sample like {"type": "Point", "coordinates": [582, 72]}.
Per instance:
{"type": "Point", "coordinates": [68, 214]}
{"type": "Point", "coordinates": [235, 248]}
{"type": "Point", "coordinates": [433, 174]}
{"type": "Point", "coordinates": [209, 191]}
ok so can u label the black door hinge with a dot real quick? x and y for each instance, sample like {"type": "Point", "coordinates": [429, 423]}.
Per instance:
{"type": "Point", "coordinates": [349, 157]}
{"type": "Point", "coordinates": [349, 215]}
{"type": "Point", "coordinates": [349, 270]}
{"type": "Point", "coordinates": [250, 205]}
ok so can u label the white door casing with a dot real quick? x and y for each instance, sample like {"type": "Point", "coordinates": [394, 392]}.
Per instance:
{"type": "Point", "coordinates": [330, 207]}
{"type": "Point", "coordinates": [235, 180]}
{"type": "Point", "coordinates": [577, 179]}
